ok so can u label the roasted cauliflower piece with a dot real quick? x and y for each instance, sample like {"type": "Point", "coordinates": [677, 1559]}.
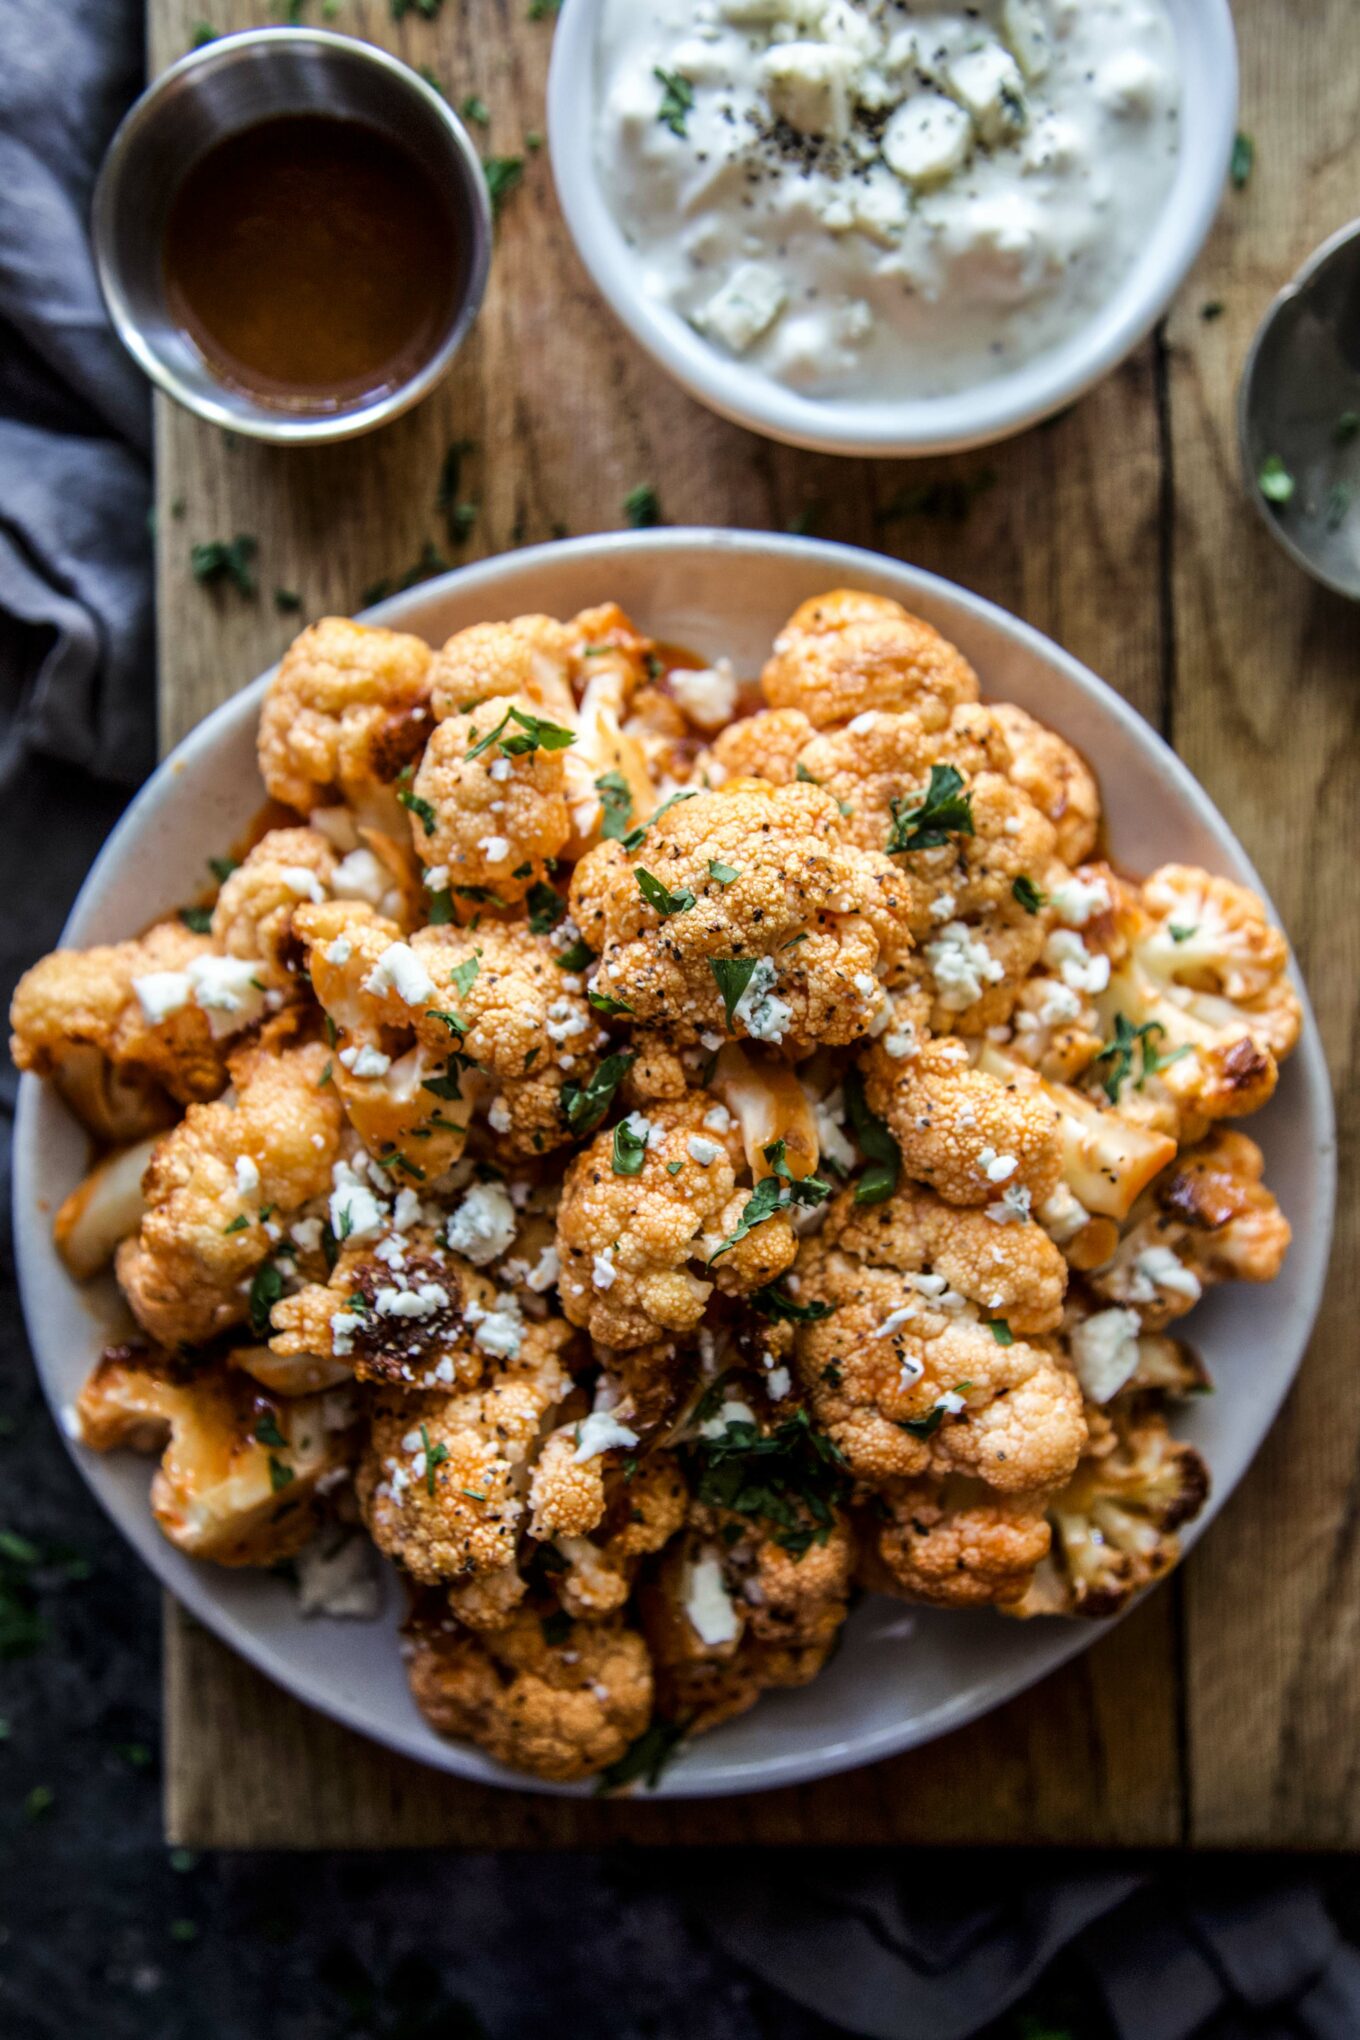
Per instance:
{"type": "Point", "coordinates": [1108, 1159]}
{"type": "Point", "coordinates": [953, 1541]}
{"type": "Point", "coordinates": [253, 917]}
{"type": "Point", "coordinates": [103, 1210]}
{"type": "Point", "coordinates": [125, 1029]}
{"type": "Point", "coordinates": [239, 1469]}
{"type": "Point", "coordinates": [767, 745]}
{"type": "Point", "coordinates": [904, 1375]}
{"type": "Point", "coordinates": [488, 804]}
{"type": "Point", "coordinates": [603, 1520]}
{"type": "Point", "coordinates": [1045, 766]}
{"type": "Point", "coordinates": [561, 1709]}
{"type": "Point", "coordinates": [844, 653]}
{"type": "Point", "coordinates": [347, 710]}
{"type": "Point", "coordinates": [1199, 1011]}
{"type": "Point", "coordinates": [973, 1136]}
{"type": "Point", "coordinates": [742, 912]}
{"type": "Point", "coordinates": [531, 656]}
{"type": "Point", "coordinates": [1114, 1524]}
{"type": "Point", "coordinates": [1209, 1218]}
{"type": "Point", "coordinates": [219, 1190]}
{"type": "Point", "coordinates": [444, 1478]}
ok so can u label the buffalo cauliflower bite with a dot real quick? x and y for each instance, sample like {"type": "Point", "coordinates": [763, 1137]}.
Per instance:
{"type": "Point", "coordinates": [220, 1189]}
{"type": "Point", "coordinates": [394, 1067]}
{"type": "Point", "coordinates": [530, 656]}
{"type": "Point", "coordinates": [1114, 1523]}
{"type": "Point", "coordinates": [120, 1031]}
{"type": "Point", "coordinates": [560, 1710]}
{"type": "Point", "coordinates": [625, 1242]}
{"type": "Point", "coordinates": [1108, 1159]}
{"type": "Point", "coordinates": [1209, 1218]}
{"type": "Point", "coordinates": [239, 1470]}
{"type": "Point", "coordinates": [904, 1377]}
{"type": "Point", "coordinates": [958, 1127]}
{"type": "Point", "coordinates": [1199, 978]}
{"type": "Point", "coordinates": [347, 710]}
{"type": "Point", "coordinates": [443, 1479]}
{"type": "Point", "coordinates": [953, 1541]}
{"type": "Point", "coordinates": [1057, 780]}
{"type": "Point", "coordinates": [844, 653]}
{"type": "Point", "coordinates": [603, 1520]}
{"type": "Point", "coordinates": [767, 745]}
{"type": "Point", "coordinates": [253, 917]}
{"type": "Point", "coordinates": [792, 942]}
{"type": "Point", "coordinates": [528, 1025]}
{"type": "Point", "coordinates": [487, 814]}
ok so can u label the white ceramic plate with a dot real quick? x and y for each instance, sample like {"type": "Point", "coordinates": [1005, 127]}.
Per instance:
{"type": "Point", "coordinates": [903, 1675]}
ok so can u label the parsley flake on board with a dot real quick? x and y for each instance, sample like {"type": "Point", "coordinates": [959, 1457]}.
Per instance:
{"type": "Point", "coordinates": [586, 1104]}
{"type": "Point", "coordinates": [1275, 482]}
{"type": "Point", "coordinates": [877, 1182]}
{"type": "Point", "coordinates": [677, 101]}
{"type": "Point", "coordinates": [502, 174]}
{"type": "Point", "coordinates": [1243, 159]}
{"type": "Point", "coordinates": [630, 1150]}
{"type": "Point", "coordinates": [660, 896]}
{"type": "Point", "coordinates": [221, 559]}
{"type": "Point", "coordinates": [732, 974]}
{"type": "Point", "coordinates": [943, 810]}
{"type": "Point", "coordinates": [642, 507]}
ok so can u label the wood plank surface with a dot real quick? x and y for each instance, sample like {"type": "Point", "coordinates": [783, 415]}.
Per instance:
{"type": "Point", "coordinates": [1147, 1740]}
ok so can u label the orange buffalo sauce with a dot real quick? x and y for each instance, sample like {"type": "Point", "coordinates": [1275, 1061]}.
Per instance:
{"type": "Point", "coordinates": [312, 260]}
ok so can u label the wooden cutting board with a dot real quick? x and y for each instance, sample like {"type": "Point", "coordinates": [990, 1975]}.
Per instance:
{"type": "Point", "coordinates": [1224, 1712]}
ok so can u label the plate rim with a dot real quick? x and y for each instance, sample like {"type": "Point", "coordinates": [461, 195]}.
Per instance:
{"type": "Point", "coordinates": [192, 1583]}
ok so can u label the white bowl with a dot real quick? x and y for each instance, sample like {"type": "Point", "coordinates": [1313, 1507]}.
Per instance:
{"type": "Point", "coordinates": [948, 424]}
{"type": "Point", "coordinates": [903, 1675]}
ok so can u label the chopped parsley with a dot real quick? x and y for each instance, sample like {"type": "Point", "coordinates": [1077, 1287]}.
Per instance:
{"type": "Point", "coordinates": [238, 1224]}
{"type": "Point", "coordinates": [1119, 1054]}
{"type": "Point", "coordinates": [722, 874]}
{"type": "Point", "coordinates": [535, 734]}
{"type": "Point", "coordinates": [546, 909]}
{"type": "Point", "coordinates": [772, 1193]}
{"type": "Point", "coordinates": [791, 1477]}
{"type": "Point", "coordinates": [1180, 934]}
{"type": "Point", "coordinates": [1243, 159]}
{"type": "Point", "coordinates": [475, 108]}
{"type": "Point", "coordinates": [773, 1301]}
{"type": "Point", "coordinates": [602, 1003]}
{"type": "Point", "coordinates": [648, 1756]}
{"type": "Point", "coordinates": [944, 809]}
{"type": "Point", "coordinates": [877, 1182]}
{"type": "Point", "coordinates": [1001, 1331]}
{"type": "Point", "coordinates": [1275, 481]}
{"type": "Point", "coordinates": [579, 956]}
{"type": "Point", "coordinates": [544, 10]}
{"type": "Point", "coordinates": [642, 507]}
{"type": "Point", "coordinates": [197, 919]}
{"type": "Point", "coordinates": [265, 1291]}
{"type": "Point", "coordinates": [464, 976]}
{"type": "Point", "coordinates": [634, 838]}
{"type": "Point", "coordinates": [616, 805]}
{"type": "Point", "coordinates": [418, 806]}
{"type": "Point", "coordinates": [677, 101]}
{"type": "Point", "coordinates": [801, 772]}
{"type": "Point", "coordinates": [459, 516]}
{"type": "Point", "coordinates": [502, 174]}
{"type": "Point", "coordinates": [267, 1432]}
{"type": "Point", "coordinates": [660, 897]}
{"type": "Point", "coordinates": [556, 1627]}
{"type": "Point", "coordinates": [220, 559]}
{"type": "Point", "coordinates": [222, 868]}
{"type": "Point", "coordinates": [287, 601]}
{"type": "Point", "coordinates": [949, 498]}
{"type": "Point", "coordinates": [630, 1150]}
{"type": "Point", "coordinates": [585, 1105]}
{"type": "Point", "coordinates": [435, 1455]}
{"type": "Point", "coordinates": [1027, 893]}
{"type": "Point", "coordinates": [733, 974]}
{"type": "Point", "coordinates": [280, 1475]}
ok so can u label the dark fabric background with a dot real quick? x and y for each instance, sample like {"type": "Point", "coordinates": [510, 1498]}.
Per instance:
{"type": "Point", "coordinates": [104, 1932]}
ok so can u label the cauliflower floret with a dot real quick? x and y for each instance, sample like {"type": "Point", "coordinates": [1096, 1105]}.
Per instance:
{"type": "Point", "coordinates": [529, 1026]}
{"type": "Point", "coordinates": [1007, 1271]}
{"type": "Point", "coordinates": [730, 1615]}
{"type": "Point", "coordinates": [489, 802]}
{"type": "Point", "coordinates": [443, 1479]}
{"type": "Point", "coordinates": [625, 1241]}
{"type": "Point", "coordinates": [954, 1542]}
{"type": "Point", "coordinates": [239, 1470]}
{"type": "Point", "coordinates": [870, 766]}
{"type": "Point", "coordinates": [843, 653]}
{"type": "Point", "coordinates": [395, 1062]}
{"type": "Point", "coordinates": [762, 746]}
{"type": "Point", "coordinates": [1200, 979]}
{"type": "Point", "coordinates": [347, 709]}
{"type": "Point", "coordinates": [253, 918]}
{"type": "Point", "coordinates": [1056, 779]}
{"type": "Point", "coordinates": [950, 1120]}
{"type": "Point", "coordinates": [116, 1057]}
{"type": "Point", "coordinates": [1114, 1523]}
{"type": "Point", "coordinates": [561, 1710]}
{"type": "Point", "coordinates": [103, 1210]}
{"type": "Point", "coordinates": [630, 1516]}
{"type": "Point", "coordinates": [210, 1183]}
{"type": "Point", "coordinates": [1108, 1159]}
{"type": "Point", "coordinates": [1208, 1219]}
{"type": "Point", "coordinates": [903, 1377]}
{"type": "Point", "coordinates": [529, 656]}
{"type": "Point", "coordinates": [792, 942]}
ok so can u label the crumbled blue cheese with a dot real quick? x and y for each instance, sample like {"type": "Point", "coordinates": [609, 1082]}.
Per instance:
{"type": "Point", "coordinates": [764, 1017]}
{"type": "Point", "coordinates": [997, 1168]}
{"type": "Point", "coordinates": [495, 849]}
{"type": "Point", "coordinates": [160, 993]}
{"type": "Point", "coordinates": [484, 1225]}
{"type": "Point", "coordinates": [963, 966]}
{"type": "Point", "coordinates": [228, 990]}
{"type": "Point", "coordinates": [708, 1605]}
{"type": "Point", "coordinates": [365, 1061]}
{"type": "Point", "coordinates": [400, 970]}
{"type": "Point", "coordinates": [708, 695]}
{"type": "Point", "coordinates": [1105, 1352]}
{"type": "Point", "coordinates": [360, 876]}
{"type": "Point", "coordinates": [247, 1175]}
{"type": "Point", "coordinates": [603, 1273]}
{"type": "Point", "coordinates": [701, 1150]}
{"type": "Point", "coordinates": [1080, 971]}
{"type": "Point", "coordinates": [733, 1411]}
{"type": "Point", "coordinates": [1163, 1269]}
{"type": "Point", "coordinates": [1012, 1208]}
{"type": "Point", "coordinates": [303, 883]}
{"type": "Point", "coordinates": [600, 1432]}
{"type": "Point", "coordinates": [750, 301]}
{"type": "Point", "coordinates": [355, 1213]}
{"type": "Point", "coordinates": [1077, 900]}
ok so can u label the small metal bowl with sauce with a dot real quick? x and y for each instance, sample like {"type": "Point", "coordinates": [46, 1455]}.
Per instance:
{"type": "Point", "coordinates": [292, 232]}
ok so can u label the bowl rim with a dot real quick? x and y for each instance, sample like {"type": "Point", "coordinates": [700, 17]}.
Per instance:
{"type": "Point", "coordinates": [284, 428]}
{"type": "Point", "coordinates": [193, 1584]}
{"type": "Point", "coordinates": [901, 427]}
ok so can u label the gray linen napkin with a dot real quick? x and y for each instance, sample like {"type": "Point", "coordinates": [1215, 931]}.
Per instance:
{"type": "Point", "coordinates": [897, 1946]}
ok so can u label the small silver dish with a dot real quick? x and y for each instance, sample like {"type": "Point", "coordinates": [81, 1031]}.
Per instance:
{"type": "Point", "coordinates": [1298, 415]}
{"type": "Point", "coordinates": [216, 91]}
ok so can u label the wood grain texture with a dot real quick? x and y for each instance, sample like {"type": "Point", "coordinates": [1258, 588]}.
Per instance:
{"type": "Point", "coordinates": [1068, 529]}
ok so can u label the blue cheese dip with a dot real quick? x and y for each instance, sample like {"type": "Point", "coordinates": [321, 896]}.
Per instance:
{"type": "Point", "coordinates": [879, 199]}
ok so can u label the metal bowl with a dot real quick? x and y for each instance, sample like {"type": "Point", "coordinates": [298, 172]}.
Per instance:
{"type": "Point", "coordinates": [232, 84]}
{"type": "Point", "coordinates": [1299, 406]}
